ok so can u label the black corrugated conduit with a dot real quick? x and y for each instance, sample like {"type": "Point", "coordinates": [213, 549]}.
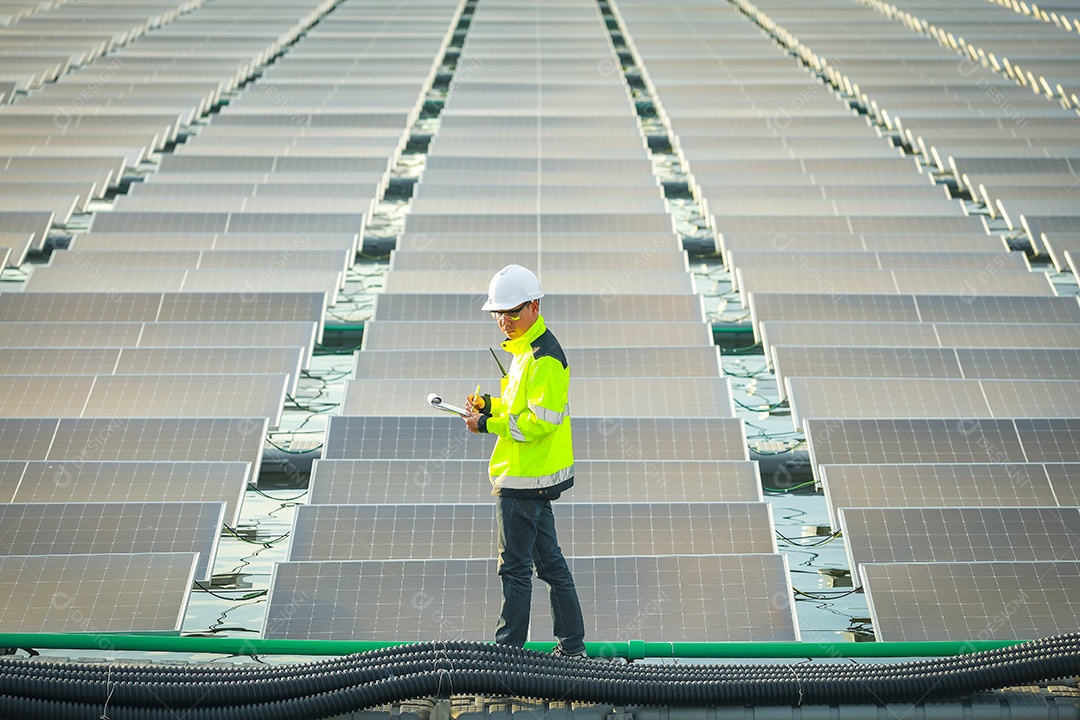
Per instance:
{"type": "Point", "coordinates": [41, 688]}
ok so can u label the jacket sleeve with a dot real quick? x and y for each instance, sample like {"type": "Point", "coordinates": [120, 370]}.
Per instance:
{"type": "Point", "coordinates": [547, 393]}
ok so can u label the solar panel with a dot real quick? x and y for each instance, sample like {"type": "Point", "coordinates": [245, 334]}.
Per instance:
{"type": "Point", "coordinates": [610, 283]}
{"type": "Point", "coordinates": [1057, 244]}
{"type": "Point", "coordinates": [663, 253]}
{"type": "Point", "coordinates": [997, 309]}
{"type": "Point", "coordinates": [58, 361]}
{"type": "Point", "coordinates": [597, 397]}
{"type": "Point", "coordinates": [44, 396]}
{"type": "Point", "coordinates": [891, 398]}
{"type": "Point", "coordinates": [948, 335]}
{"type": "Point", "coordinates": [102, 528]}
{"type": "Point", "coordinates": [960, 534]}
{"type": "Point", "coordinates": [227, 334]}
{"type": "Point", "coordinates": [904, 282]}
{"type": "Point", "coordinates": [1050, 439]}
{"type": "Point", "coordinates": [144, 593]}
{"type": "Point", "coordinates": [158, 439]}
{"type": "Point", "coordinates": [79, 307]}
{"type": "Point", "coordinates": [108, 280]}
{"type": "Point", "coordinates": [700, 598]}
{"type": "Point", "coordinates": [938, 484]}
{"type": "Point", "coordinates": [1046, 363]}
{"type": "Point", "coordinates": [437, 307]}
{"type": "Point", "coordinates": [212, 361]}
{"type": "Point", "coordinates": [416, 531]}
{"type": "Point", "coordinates": [129, 482]}
{"type": "Point", "coordinates": [870, 441]}
{"type": "Point", "coordinates": [69, 334]}
{"type": "Point", "coordinates": [404, 335]}
{"type": "Point", "coordinates": [878, 362]}
{"type": "Point", "coordinates": [584, 363]}
{"type": "Point", "coordinates": [969, 601]}
{"type": "Point", "coordinates": [466, 481]}
{"type": "Point", "coordinates": [594, 439]}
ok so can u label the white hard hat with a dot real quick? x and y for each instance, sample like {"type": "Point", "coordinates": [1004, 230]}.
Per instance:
{"type": "Point", "coordinates": [510, 287]}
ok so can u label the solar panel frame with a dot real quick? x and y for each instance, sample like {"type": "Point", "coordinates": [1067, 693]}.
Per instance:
{"type": "Point", "coordinates": [969, 601]}
{"type": "Point", "coordinates": [93, 528]}
{"type": "Point", "coordinates": [960, 534]}
{"type": "Point", "coordinates": [458, 531]}
{"type": "Point", "coordinates": [466, 481]}
{"type": "Point", "coordinates": [453, 599]}
{"type": "Point", "coordinates": [142, 593]}
{"type": "Point", "coordinates": [444, 437]}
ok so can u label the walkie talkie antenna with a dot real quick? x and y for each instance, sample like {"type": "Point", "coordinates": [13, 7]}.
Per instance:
{"type": "Point", "coordinates": [497, 362]}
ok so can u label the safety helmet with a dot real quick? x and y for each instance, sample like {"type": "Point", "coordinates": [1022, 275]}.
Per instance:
{"type": "Point", "coordinates": [510, 287]}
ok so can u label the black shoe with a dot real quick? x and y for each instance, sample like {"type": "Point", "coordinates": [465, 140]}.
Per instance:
{"type": "Point", "coordinates": [559, 652]}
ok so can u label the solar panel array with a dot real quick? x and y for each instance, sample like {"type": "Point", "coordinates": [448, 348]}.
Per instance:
{"type": "Point", "coordinates": [902, 325]}
{"type": "Point", "coordinates": [923, 344]}
{"type": "Point", "coordinates": [145, 362]}
{"type": "Point", "coordinates": [559, 180]}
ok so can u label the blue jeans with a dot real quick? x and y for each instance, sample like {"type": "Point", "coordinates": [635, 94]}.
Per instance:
{"type": "Point", "coordinates": [527, 541]}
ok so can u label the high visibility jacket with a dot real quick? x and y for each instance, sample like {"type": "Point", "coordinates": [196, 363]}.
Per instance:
{"type": "Point", "coordinates": [533, 455]}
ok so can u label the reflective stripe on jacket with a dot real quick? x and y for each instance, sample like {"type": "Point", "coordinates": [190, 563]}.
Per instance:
{"type": "Point", "coordinates": [533, 455]}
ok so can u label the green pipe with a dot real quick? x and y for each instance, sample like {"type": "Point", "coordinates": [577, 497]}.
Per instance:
{"type": "Point", "coordinates": [631, 650]}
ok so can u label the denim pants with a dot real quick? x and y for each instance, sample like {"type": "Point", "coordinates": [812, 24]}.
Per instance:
{"type": "Point", "coordinates": [527, 541]}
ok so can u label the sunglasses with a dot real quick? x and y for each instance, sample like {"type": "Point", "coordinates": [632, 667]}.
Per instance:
{"type": "Point", "coordinates": [513, 314]}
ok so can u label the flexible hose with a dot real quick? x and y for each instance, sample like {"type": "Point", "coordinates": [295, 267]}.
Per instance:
{"type": "Point", "coordinates": [40, 688]}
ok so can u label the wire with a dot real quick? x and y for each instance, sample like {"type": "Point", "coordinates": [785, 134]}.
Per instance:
{"type": "Point", "coordinates": [264, 543]}
{"type": "Point", "coordinates": [249, 596]}
{"type": "Point", "coordinates": [764, 408]}
{"type": "Point", "coordinates": [294, 401]}
{"type": "Point", "coordinates": [783, 491]}
{"type": "Point", "coordinates": [819, 540]}
{"type": "Point", "coordinates": [257, 491]}
{"type": "Point", "coordinates": [770, 453]}
{"type": "Point", "coordinates": [818, 596]}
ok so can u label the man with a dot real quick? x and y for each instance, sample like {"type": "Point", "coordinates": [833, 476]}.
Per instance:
{"type": "Point", "coordinates": [532, 462]}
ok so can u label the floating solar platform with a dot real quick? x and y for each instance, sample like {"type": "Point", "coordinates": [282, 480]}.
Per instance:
{"type": "Point", "coordinates": [972, 601]}
{"type": "Point", "coordinates": [141, 593]}
{"type": "Point", "coordinates": [960, 534]}
{"type": "Point", "coordinates": [700, 598]}
{"type": "Point", "coordinates": [458, 531]}
{"type": "Point", "coordinates": [640, 439]}
{"type": "Point", "coordinates": [466, 481]}
{"type": "Point", "coordinates": [90, 481]}
{"type": "Point", "coordinates": [114, 528]}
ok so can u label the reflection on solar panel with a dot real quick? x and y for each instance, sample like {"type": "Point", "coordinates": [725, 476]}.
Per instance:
{"type": "Point", "coordinates": [387, 532]}
{"type": "Point", "coordinates": [103, 528]}
{"type": "Point", "coordinates": [597, 397]}
{"type": "Point", "coordinates": [968, 601]}
{"type": "Point", "coordinates": [466, 481]}
{"type": "Point", "coordinates": [128, 482]}
{"type": "Point", "coordinates": [594, 439]}
{"type": "Point", "coordinates": [960, 534]}
{"type": "Point", "coordinates": [941, 484]}
{"type": "Point", "coordinates": [644, 362]}
{"type": "Point", "coordinates": [691, 598]}
{"type": "Point", "coordinates": [144, 593]}
{"type": "Point", "coordinates": [439, 307]}
{"type": "Point", "coordinates": [930, 398]}
{"type": "Point", "coordinates": [402, 335]}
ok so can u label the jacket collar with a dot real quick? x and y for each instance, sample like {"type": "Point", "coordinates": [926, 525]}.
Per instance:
{"type": "Point", "coordinates": [524, 343]}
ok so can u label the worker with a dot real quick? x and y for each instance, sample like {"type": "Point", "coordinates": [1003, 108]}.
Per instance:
{"type": "Point", "coordinates": [532, 462]}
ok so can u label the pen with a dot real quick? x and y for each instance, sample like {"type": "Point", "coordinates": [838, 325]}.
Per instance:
{"type": "Point", "coordinates": [476, 394]}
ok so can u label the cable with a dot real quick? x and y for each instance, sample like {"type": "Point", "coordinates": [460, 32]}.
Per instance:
{"type": "Point", "coordinates": [264, 543]}
{"type": "Point", "coordinates": [294, 401]}
{"type": "Point", "coordinates": [274, 445]}
{"type": "Point", "coordinates": [249, 596]}
{"type": "Point", "coordinates": [765, 408]}
{"type": "Point", "coordinates": [820, 541]}
{"type": "Point", "coordinates": [781, 491]}
{"type": "Point", "coordinates": [837, 596]}
{"type": "Point", "coordinates": [251, 487]}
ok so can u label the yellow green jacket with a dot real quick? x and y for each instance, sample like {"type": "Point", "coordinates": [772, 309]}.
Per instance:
{"type": "Point", "coordinates": [533, 455]}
